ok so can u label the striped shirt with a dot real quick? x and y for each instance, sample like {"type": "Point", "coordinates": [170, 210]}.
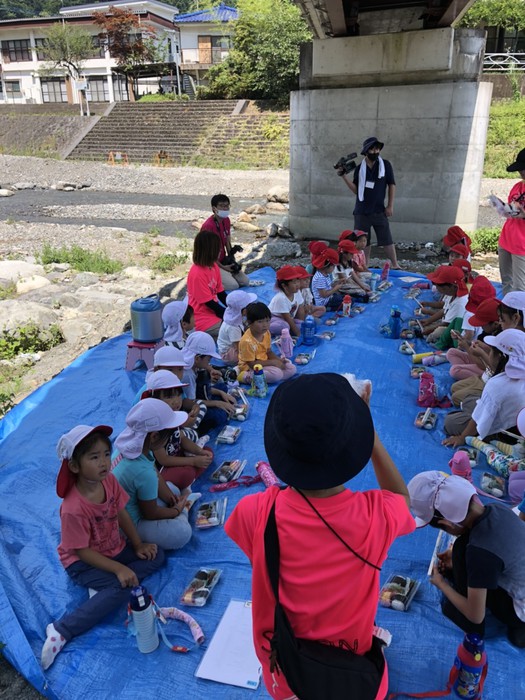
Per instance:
{"type": "Point", "coordinates": [320, 281]}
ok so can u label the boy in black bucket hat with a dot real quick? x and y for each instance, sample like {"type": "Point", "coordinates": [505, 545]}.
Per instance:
{"type": "Point", "coordinates": [318, 434]}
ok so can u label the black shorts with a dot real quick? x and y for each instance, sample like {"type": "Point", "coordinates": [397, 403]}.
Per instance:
{"type": "Point", "coordinates": [379, 222]}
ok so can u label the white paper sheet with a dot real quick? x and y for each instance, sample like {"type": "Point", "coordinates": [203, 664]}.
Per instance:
{"type": "Point", "coordinates": [230, 657]}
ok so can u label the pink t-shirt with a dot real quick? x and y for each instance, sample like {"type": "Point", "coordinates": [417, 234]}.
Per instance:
{"type": "Point", "coordinates": [327, 592]}
{"type": "Point", "coordinates": [222, 228]}
{"type": "Point", "coordinates": [512, 237]}
{"type": "Point", "coordinates": [359, 258]}
{"type": "Point", "coordinates": [204, 283]}
{"type": "Point", "coordinates": [94, 525]}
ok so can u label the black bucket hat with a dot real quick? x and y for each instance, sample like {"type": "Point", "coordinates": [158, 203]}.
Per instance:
{"type": "Point", "coordinates": [519, 163]}
{"type": "Point", "coordinates": [318, 432]}
{"type": "Point", "coordinates": [369, 143]}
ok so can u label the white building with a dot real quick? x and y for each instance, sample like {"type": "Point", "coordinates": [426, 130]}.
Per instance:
{"type": "Point", "coordinates": [21, 61]}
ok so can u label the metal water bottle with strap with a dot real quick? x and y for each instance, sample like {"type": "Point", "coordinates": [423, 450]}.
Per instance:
{"type": "Point", "coordinates": [144, 619]}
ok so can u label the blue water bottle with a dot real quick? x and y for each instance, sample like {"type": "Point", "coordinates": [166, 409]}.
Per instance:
{"type": "Point", "coordinates": [395, 322]}
{"type": "Point", "coordinates": [308, 330]}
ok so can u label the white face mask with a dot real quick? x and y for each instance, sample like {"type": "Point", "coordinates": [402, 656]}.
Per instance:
{"type": "Point", "coordinates": [223, 213]}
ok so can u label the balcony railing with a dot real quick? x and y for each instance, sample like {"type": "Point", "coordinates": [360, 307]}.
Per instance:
{"type": "Point", "coordinates": [503, 62]}
{"type": "Point", "coordinates": [204, 56]}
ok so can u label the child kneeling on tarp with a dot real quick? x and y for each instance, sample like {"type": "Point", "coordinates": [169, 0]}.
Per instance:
{"type": "Point", "coordinates": [486, 564]}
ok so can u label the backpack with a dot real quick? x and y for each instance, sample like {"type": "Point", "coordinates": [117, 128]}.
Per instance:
{"type": "Point", "coordinates": [314, 670]}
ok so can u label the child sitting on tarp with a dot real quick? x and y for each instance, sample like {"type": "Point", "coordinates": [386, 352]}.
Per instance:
{"type": "Point", "coordinates": [100, 547]}
{"type": "Point", "coordinates": [485, 569]}
{"type": "Point", "coordinates": [450, 283]}
{"type": "Point", "coordinates": [360, 238]}
{"type": "Point", "coordinates": [255, 348]}
{"type": "Point", "coordinates": [287, 306]}
{"type": "Point", "coordinates": [200, 377]}
{"type": "Point", "coordinates": [310, 309]}
{"type": "Point", "coordinates": [326, 292]}
{"type": "Point", "coordinates": [232, 326]}
{"type": "Point", "coordinates": [180, 460]}
{"type": "Point", "coordinates": [157, 510]}
{"type": "Point", "coordinates": [455, 235]}
{"type": "Point", "coordinates": [460, 330]}
{"type": "Point", "coordinates": [344, 270]}
{"type": "Point", "coordinates": [178, 319]}
{"type": "Point", "coordinates": [348, 532]}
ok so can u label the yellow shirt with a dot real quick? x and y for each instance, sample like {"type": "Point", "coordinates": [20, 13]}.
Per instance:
{"type": "Point", "coordinates": [251, 349]}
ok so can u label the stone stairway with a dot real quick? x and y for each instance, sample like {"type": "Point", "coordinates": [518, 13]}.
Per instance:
{"type": "Point", "coordinates": [255, 139]}
{"type": "Point", "coordinates": [142, 130]}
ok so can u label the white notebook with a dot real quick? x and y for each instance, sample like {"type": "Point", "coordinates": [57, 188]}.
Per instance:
{"type": "Point", "coordinates": [230, 657]}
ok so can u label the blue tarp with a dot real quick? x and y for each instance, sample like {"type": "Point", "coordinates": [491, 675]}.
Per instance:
{"type": "Point", "coordinates": [104, 663]}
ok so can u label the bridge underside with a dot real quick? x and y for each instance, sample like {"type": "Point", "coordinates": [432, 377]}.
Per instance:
{"type": "Point", "coordinates": [396, 70]}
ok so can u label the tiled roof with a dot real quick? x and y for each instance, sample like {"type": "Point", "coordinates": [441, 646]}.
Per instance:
{"type": "Point", "coordinates": [221, 13]}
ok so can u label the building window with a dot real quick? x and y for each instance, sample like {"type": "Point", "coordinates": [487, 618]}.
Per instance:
{"type": "Point", "coordinates": [99, 50]}
{"type": "Point", "coordinates": [39, 43]}
{"type": "Point", "coordinates": [53, 89]}
{"type": "Point", "coordinates": [213, 49]}
{"type": "Point", "coordinates": [120, 88]}
{"type": "Point", "coordinates": [16, 50]}
{"type": "Point", "coordinates": [2, 96]}
{"type": "Point", "coordinates": [98, 90]}
{"type": "Point", "coordinates": [12, 89]}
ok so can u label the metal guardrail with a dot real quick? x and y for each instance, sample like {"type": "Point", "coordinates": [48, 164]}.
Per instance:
{"type": "Point", "coordinates": [503, 62]}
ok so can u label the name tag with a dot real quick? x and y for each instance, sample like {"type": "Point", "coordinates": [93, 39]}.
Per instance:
{"type": "Point", "coordinates": [369, 184]}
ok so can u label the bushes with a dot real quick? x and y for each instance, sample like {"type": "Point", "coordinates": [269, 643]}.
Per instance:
{"type": "Point", "coordinates": [505, 137]}
{"type": "Point", "coordinates": [80, 259]}
{"type": "Point", "coordinates": [485, 240]}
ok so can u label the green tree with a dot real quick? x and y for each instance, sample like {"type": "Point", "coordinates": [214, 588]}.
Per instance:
{"type": "Point", "coordinates": [66, 48]}
{"type": "Point", "coordinates": [264, 60]}
{"type": "Point", "coordinates": [131, 43]}
{"type": "Point", "coordinates": [509, 14]}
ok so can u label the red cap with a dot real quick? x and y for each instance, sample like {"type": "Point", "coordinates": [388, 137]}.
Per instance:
{"type": "Point", "coordinates": [302, 273]}
{"type": "Point", "coordinates": [347, 246]}
{"type": "Point", "coordinates": [359, 233]}
{"type": "Point", "coordinates": [327, 257]}
{"type": "Point", "coordinates": [446, 274]}
{"type": "Point", "coordinates": [481, 289]}
{"type": "Point", "coordinates": [345, 234]}
{"type": "Point", "coordinates": [455, 234]}
{"type": "Point", "coordinates": [316, 247]}
{"type": "Point", "coordinates": [462, 264]}
{"type": "Point", "coordinates": [287, 273]}
{"type": "Point", "coordinates": [487, 312]}
{"type": "Point", "coordinates": [460, 249]}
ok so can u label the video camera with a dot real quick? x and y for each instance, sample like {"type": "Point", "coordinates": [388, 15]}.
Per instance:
{"type": "Point", "coordinates": [346, 164]}
{"type": "Point", "coordinates": [230, 259]}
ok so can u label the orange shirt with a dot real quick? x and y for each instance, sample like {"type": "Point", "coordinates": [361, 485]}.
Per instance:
{"type": "Point", "coordinates": [251, 349]}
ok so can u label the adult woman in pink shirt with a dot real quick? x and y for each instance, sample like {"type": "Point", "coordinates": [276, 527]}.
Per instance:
{"type": "Point", "coordinates": [511, 244]}
{"type": "Point", "coordinates": [205, 289]}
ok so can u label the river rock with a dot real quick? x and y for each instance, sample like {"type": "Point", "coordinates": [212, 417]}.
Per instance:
{"type": "Point", "coordinates": [278, 193]}
{"type": "Point", "coordinates": [276, 206]}
{"type": "Point", "coordinates": [6, 193]}
{"type": "Point", "coordinates": [29, 284]}
{"type": "Point", "coordinates": [283, 249]}
{"type": "Point", "coordinates": [14, 313]}
{"type": "Point", "coordinates": [14, 270]}
{"type": "Point", "coordinates": [250, 228]}
{"type": "Point", "coordinates": [255, 209]}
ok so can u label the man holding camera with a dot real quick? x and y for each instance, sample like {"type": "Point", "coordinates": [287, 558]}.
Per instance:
{"type": "Point", "coordinates": [219, 223]}
{"type": "Point", "coordinates": [373, 179]}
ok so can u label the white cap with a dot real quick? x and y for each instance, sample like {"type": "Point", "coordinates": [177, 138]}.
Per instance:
{"type": "Point", "coordinates": [172, 315]}
{"type": "Point", "coordinates": [168, 356]}
{"type": "Point", "coordinates": [510, 342]}
{"type": "Point", "coordinates": [65, 448]}
{"type": "Point", "coordinates": [236, 301]}
{"type": "Point", "coordinates": [515, 300]}
{"type": "Point", "coordinates": [435, 490]}
{"type": "Point", "coordinates": [199, 343]}
{"type": "Point", "coordinates": [147, 416]}
{"type": "Point", "coordinates": [163, 379]}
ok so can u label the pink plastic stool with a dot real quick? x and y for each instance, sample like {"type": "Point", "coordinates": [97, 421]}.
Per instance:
{"type": "Point", "coordinates": [141, 351]}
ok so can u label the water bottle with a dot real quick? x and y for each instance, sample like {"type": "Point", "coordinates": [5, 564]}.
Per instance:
{"type": "Point", "coordinates": [433, 360]}
{"type": "Point", "coordinates": [385, 271]}
{"type": "Point", "coordinates": [259, 384]}
{"type": "Point", "coordinates": [286, 343]}
{"type": "Point", "coordinates": [394, 322]}
{"type": "Point", "coordinates": [267, 474]}
{"type": "Point", "coordinates": [374, 281]}
{"type": "Point", "coordinates": [144, 620]}
{"type": "Point", "coordinates": [308, 330]}
{"type": "Point", "coordinates": [347, 305]}
{"type": "Point", "coordinates": [471, 662]}
{"type": "Point", "coordinates": [230, 375]}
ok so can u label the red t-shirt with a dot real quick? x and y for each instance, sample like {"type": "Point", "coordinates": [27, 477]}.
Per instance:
{"type": "Point", "coordinates": [328, 593]}
{"type": "Point", "coordinates": [204, 283]}
{"type": "Point", "coordinates": [222, 227]}
{"type": "Point", "coordinates": [512, 237]}
{"type": "Point", "coordinates": [94, 525]}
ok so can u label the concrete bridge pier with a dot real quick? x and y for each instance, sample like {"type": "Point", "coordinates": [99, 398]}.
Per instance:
{"type": "Point", "coordinates": [420, 93]}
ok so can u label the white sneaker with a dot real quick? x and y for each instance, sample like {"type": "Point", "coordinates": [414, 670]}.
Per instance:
{"type": "Point", "coordinates": [204, 440]}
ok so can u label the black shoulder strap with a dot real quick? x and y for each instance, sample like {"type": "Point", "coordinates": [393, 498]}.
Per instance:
{"type": "Point", "coordinates": [272, 552]}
